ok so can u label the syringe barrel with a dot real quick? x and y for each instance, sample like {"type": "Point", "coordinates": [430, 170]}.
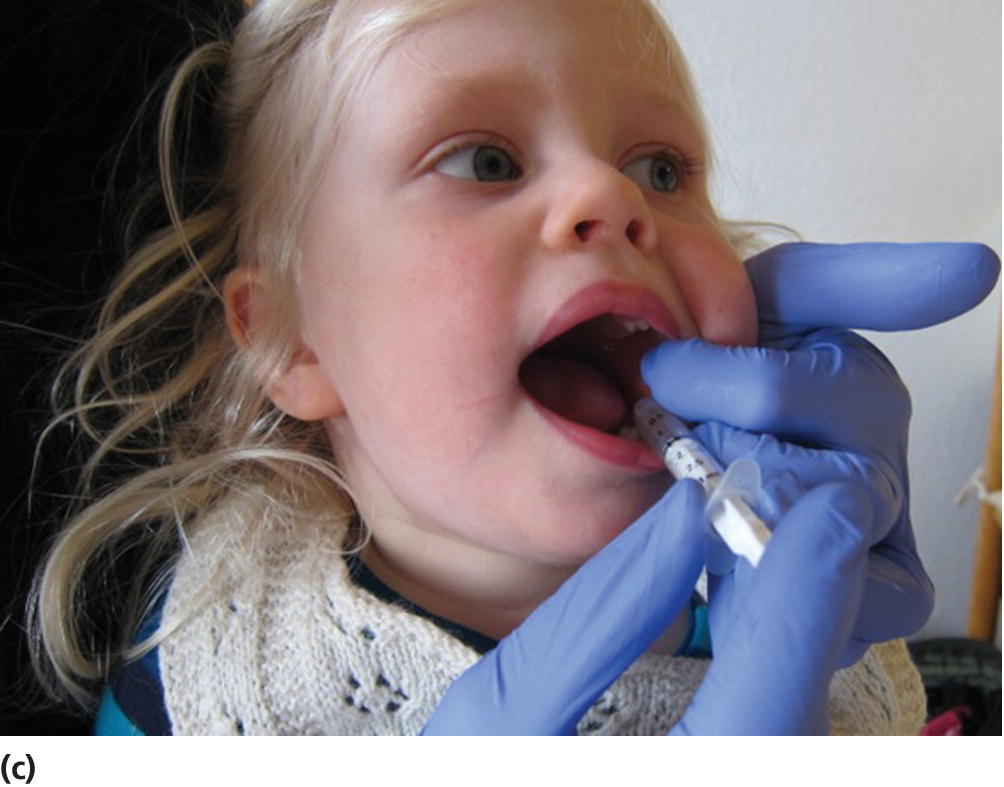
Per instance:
{"type": "Point", "coordinates": [670, 438]}
{"type": "Point", "coordinates": [657, 426]}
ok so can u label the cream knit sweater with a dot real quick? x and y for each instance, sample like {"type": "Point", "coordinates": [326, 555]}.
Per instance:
{"type": "Point", "coordinates": [287, 644]}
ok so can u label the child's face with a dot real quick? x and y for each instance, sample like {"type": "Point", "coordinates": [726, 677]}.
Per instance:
{"type": "Point", "coordinates": [509, 172]}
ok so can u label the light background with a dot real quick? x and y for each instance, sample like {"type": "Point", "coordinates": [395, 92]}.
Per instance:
{"type": "Point", "coordinates": [867, 120]}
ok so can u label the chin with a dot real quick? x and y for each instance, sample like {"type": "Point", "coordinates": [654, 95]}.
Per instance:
{"type": "Point", "coordinates": [573, 539]}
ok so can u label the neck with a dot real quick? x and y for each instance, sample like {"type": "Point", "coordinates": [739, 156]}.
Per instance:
{"type": "Point", "coordinates": [488, 593]}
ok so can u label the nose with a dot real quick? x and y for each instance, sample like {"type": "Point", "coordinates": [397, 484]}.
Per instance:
{"type": "Point", "coordinates": [598, 206]}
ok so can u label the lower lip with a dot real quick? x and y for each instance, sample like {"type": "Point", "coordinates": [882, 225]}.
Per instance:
{"type": "Point", "coordinates": [611, 449]}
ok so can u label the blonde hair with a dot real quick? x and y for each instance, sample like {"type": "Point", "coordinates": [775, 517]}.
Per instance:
{"type": "Point", "coordinates": [198, 412]}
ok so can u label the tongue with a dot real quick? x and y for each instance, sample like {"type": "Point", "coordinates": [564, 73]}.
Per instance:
{"type": "Point", "coordinates": [574, 390]}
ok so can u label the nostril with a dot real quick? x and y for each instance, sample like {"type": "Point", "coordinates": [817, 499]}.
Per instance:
{"type": "Point", "coordinates": [633, 231]}
{"type": "Point", "coordinates": [586, 230]}
{"type": "Point", "coordinates": [582, 229]}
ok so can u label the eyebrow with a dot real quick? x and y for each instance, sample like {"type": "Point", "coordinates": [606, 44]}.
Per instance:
{"type": "Point", "coordinates": [526, 86]}
{"type": "Point", "coordinates": [471, 94]}
{"type": "Point", "coordinates": [474, 92]}
{"type": "Point", "coordinates": [478, 86]}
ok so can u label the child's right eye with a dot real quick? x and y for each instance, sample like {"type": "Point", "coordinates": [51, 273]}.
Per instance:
{"type": "Point", "coordinates": [485, 163]}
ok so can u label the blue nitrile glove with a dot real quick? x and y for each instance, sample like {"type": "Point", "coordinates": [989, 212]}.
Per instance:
{"type": "Point", "coordinates": [831, 406]}
{"type": "Point", "coordinates": [778, 640]}
{"type": "Point", "coordinates": [544, 676]}
{"type": "Point", "coordinates": [772, 666]}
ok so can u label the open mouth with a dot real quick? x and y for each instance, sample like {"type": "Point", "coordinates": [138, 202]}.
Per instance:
{"type": "Point", "coordinates": [591, 373]}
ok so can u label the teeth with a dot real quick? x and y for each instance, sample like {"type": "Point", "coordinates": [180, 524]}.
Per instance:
{"type": "Point", "coordinates": [629, 432]}
{"type": "Point", "coordinates": [636, 325]}
{"type": "Point", "coordinates": [620, 326]}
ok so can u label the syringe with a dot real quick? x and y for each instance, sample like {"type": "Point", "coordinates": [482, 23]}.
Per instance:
{"type": "Point", "coordinates": [741, 529]}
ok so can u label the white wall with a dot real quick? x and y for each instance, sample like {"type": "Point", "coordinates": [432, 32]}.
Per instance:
{"type": "Point", "coordinates": [855, 120]}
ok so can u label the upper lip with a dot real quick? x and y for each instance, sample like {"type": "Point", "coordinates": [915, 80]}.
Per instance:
{"type": "Point", "coordinates": [610, 297]}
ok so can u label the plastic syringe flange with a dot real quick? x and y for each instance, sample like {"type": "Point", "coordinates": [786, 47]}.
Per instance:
{"type": "Point", "coordinates": [731, 492]}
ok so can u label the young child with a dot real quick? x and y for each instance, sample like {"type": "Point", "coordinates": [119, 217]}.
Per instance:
{"type": "Point", "coordinates": [414, 309]}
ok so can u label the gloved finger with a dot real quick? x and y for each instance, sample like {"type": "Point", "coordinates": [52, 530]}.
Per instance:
{"type": "Point", "coordinates": [778, 493]}
{"type": "Point", "coordinates": [900, 593]}
{"type": "Point", "coordinates": [725, 592]}
{"type": "Point", "coordinates": [809, 467]}
{"type": "Point", "coordinates": [878, 286]}
{"type": "Point", "coordinates": [812, 466]}
{"type": "Point", "coordinates": [792, 618]}
{"type": "Point", "coordinates": [543, 677]}
{"type": "Point", "coordinates": [898, 600]}
{"type": "Point", "coordinates": [804, 396]}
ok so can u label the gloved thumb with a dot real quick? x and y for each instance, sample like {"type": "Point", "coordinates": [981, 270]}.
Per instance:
{"type": "Point", "coordinates": [789, 621]}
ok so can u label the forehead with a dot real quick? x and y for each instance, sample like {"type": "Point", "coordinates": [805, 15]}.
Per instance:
{"type": "Point", "coordinates": [580, 30]}
{"type": "Point", "coordinates": [599, 51]}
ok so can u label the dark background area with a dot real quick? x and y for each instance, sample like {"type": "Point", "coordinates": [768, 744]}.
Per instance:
{"type": "Point", "coordinates": [73, 76]}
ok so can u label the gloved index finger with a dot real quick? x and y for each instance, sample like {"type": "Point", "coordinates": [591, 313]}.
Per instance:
{"type": "Point", "coordinates": [801, 396]}
{"type": "Point", "coordinates": [873, 286]}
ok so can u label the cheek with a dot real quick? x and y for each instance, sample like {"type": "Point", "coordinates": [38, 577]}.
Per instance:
{"type": "Point", "coordinates": [716, 289]}
{"type": "Point", "coordinates": [410, 329]}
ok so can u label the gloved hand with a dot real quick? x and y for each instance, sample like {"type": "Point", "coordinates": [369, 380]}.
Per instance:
{"type": "Point", "coordinates": [544, 676]}
{"type": "Point", "coordinates": [820, 403]}
{"type": "Point", "coordinates": [778, 630]}
{"type": "Point", "coordinates": [771, 668]}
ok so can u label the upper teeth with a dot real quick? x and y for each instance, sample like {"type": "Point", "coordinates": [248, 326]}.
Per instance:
{"type": "Point", "coordinates": [624, 326]}
{"type": "Point", "coordinates": [635, 325]}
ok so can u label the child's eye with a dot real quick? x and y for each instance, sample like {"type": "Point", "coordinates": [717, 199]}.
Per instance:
{"type": "Point", "coordinates": [658, 172]}
{"type": "Point", "coordinates": [486, 163]}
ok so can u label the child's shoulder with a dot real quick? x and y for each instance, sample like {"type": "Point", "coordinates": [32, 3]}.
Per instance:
{"type": "Point", "coordinates": [133, 701]}
{"type": "Point", "coordinates": [267, 633]}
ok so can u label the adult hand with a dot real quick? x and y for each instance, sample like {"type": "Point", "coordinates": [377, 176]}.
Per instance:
{"type": "Point", "coordinates": [772, 664]}
{"type": "Point", "coordinates": [785, 624]}
{"type": "Point", "coordinates": [544, 676]}
{"type": "Point", "coordinates": [817, 403]}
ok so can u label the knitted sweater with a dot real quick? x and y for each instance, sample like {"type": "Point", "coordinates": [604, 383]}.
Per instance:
{"type": "Point", "coordinates": [287, 644]}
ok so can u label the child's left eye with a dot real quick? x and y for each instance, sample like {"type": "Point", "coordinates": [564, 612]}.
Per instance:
{"type": "Point", "coordinates": [658, 172]}
{"type": "Point", "coordinates": [485, 163]}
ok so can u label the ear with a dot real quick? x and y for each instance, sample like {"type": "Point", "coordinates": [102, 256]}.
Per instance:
{"type": "Point", "coordinates": [302, 389]}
